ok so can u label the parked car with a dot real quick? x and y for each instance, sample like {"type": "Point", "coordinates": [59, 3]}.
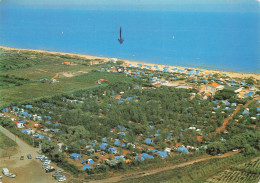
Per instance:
{"type": "Point", "coordinates": [46, 166]}
{"type": "Point", "coordinates": [62, 179]}
{"type": "Point", "coordinates": [59, 170]}
{"type": "Point", "coordinates": [11, 175]}
{"type": "Point", "coordinates": [57, 177]}
{"type": "Point", "coordinates": [47, 161]}
{"type": "Point", "coordinates": [44, 159]}
{"type": "Point", "coordinates": [5, 171]}
{"type": "Point", "coordinates": [22, 158]}
{"type": "Point", "coordinates": [56, 174]}
{"type": "Point", "coordinates": [29, 156]}
{"type": "Point", "coordinates": [39, 157]}
{"type": "Point", "coordinates": [48, 170]}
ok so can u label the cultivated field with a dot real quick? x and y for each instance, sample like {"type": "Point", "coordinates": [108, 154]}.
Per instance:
{"type": "Point", "coordinates": [245, 173]}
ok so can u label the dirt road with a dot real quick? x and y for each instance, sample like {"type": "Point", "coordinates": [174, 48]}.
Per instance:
{"type": "Point", "coordinates": [128, 176]}
{"type": "Point", "coordinates": [225, 122]}
{"type": "Point", "coordinates": [27, 170]}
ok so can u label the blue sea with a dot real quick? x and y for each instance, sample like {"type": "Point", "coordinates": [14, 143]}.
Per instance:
{"type": "Point", "coordinates": [213, 40]}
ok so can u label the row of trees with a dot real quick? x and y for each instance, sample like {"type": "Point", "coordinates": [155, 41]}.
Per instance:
{"type": "Point", "coordinates": [250, 141]}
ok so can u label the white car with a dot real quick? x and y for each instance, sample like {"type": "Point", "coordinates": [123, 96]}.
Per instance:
{"type": "Point", "coordinates": [11, 175]}
{"type": "Point", "coordinates": [62, 179]}
{"type": "Point", "coordinates": [39, 157]}
{"type": "Point", "coordinates": [59, 170]}
{"type": "Point", "coordinates": [47, 161]}
{"type": "Point", "coordinates": [46, 166]}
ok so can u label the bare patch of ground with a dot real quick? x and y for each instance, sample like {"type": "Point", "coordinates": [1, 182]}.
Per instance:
{"type": "Point", "coordinates": [67, 74]}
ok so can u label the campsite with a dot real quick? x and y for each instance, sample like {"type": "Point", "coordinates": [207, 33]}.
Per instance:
{"type": "Point", "coordinates": [98, 118]}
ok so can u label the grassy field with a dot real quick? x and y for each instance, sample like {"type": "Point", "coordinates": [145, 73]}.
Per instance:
{"type": "Point", "coordinates": [21, 72]}
{"type": "Point", "coordinates": [7, 146]}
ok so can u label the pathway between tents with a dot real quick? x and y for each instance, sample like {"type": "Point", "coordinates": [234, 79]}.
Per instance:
{"type": "Point", "coordinates": [154, 171]}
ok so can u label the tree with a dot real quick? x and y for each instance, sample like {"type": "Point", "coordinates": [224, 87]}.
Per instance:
{"type": "Point", "coordinates": [215, 148]}
{"type": "Point", "coordinates": [250, 80]}
{"type": "Point", "coordinates": [57, 156]}
{"type": "Point", "coordinates": [74, 148]}
{"type": "Point", "coordinates": [119, 62]}
{"type": "Point", "coordinates": [77, 132]}
{"type": "Point", "coordinates": [249, 150]}
{"type": "Point", "coordinates": [224, 94]}
{"type": "Point", "coordinates": [47, 146]}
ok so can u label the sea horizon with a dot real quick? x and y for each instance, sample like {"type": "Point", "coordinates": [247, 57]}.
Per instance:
{"type": "Point", "coordinates": [227, 41]}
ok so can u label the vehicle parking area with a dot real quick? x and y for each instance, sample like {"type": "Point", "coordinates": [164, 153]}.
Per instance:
{"type": "Point", "coordinates": [27, 170]}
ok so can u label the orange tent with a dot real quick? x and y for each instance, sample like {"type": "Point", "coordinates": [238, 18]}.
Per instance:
{"type": "Point", "coordinates": [66, 63]}
{"type": "Point", "coordinates": [199, 138]}
{"type": "Point", "coordinates": [127, 161]}
{"type": "Point", "coordinates": [215, 84]}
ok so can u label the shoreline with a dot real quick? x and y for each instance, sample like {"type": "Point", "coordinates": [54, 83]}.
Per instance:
{"type": "Point", "coordinates": [134, 63]}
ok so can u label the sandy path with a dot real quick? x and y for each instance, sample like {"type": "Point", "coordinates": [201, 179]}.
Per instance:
{"type": "Point", "coordinates": [225, 122]}
{"type": "Point", "coordinates": [158, 170]}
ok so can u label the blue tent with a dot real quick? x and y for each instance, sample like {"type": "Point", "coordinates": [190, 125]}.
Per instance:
{"type": "Point", "coordinates": [139, 158]}
{"type": "Point", "coordinates": [54, 130]}
{"type": "Point", "coordinates": [162, 154]}
{"type": "Point", "coordinates": [25, 130]}
{"type": "Point", "coordinates": [103, 146]}
{"type": "Point", "coordinates": [28, 106]}
{"type": "Point", "coordinates": [148, 141]}
{"type": "Point", "coordinates": [21, 121]}
{"type": "Point", "coordinates": [112, 150]}
{"type": "Point", "coordinates": [90, 161]}
{"type": "Point", "coordinates": [75, 156]}
{"type": "Point", "coordinates": [152, 150]}
{"type": "Point", "coordinates": [92, 143]}
{"type": "Point", "coordinates": [227, 103]}
{"type": "Point", "coordinates": [120, 157]}
{"type": "Point", "coordinates": [122, 133]}
{"type": "Point", "coordinates": [104, 139]}
{"type": "Point", "coordinates": [83, 161]}
{"type": "Point", "coordinates": [122, 127]}
{"type": "Point", "coordinates": [117, 143]}
{"type": "Point", "coordinates": [48, 123]}
{"type": "Point", "coordinates": [182, 149]}
{"type": "Point", "coordinates": [147, 156]}
{"type": "Point", "coordinates": [86, 166]}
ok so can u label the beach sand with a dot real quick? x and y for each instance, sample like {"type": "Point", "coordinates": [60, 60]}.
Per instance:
{"type": "Point", "coordinates": [135, 63]}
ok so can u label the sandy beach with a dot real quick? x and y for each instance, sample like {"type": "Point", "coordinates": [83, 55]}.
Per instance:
{"type": "Point", "coordinates": [135, 63]}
